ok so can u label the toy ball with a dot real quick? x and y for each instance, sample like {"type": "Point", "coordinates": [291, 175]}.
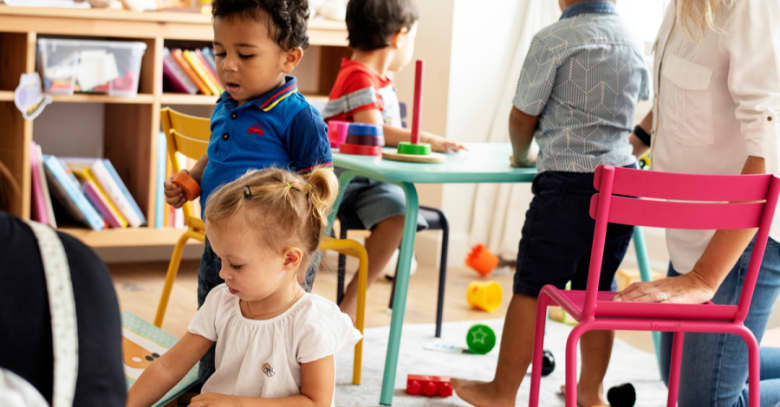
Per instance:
{"type": "Point", "coordinates": [480, 339]}
{"type": "Point", "coordinates": [623, 395]}
{"type": "Point", "coordinates": [548, 362]}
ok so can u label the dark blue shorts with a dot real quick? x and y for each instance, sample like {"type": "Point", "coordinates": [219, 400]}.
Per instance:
{"type": "Point", "coordinates": [558, 233]}
{"type": "Point", "coordinates": [367, 202]}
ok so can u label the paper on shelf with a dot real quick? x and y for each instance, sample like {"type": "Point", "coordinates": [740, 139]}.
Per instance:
{"type": "Point", "coordinates": [28, 96]}
{"type": "Point", "coordinates": [96, 67]}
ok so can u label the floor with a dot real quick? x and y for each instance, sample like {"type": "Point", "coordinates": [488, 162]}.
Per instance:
{"type": "Point", "coordinates": [138, 286]}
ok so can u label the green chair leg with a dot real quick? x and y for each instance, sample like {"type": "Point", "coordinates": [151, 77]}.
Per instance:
{"type": "Point", "coordinates": [645, 275]}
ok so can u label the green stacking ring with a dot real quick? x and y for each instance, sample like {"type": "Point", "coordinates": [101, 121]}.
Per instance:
{"type": "Point", "coordinates": [480, 339]}
{"type": "Point", "coordinates": [413, 149]}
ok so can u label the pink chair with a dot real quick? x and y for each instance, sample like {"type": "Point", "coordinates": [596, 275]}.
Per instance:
{"type": "Point", "coordinates": [652, 198]}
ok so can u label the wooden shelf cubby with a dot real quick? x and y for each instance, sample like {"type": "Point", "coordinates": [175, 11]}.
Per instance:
{"type": "Point", "coordinates": [131, 123]}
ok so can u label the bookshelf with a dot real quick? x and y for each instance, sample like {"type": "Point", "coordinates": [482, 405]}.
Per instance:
{"type": "Point", "coordinates": [132, 123]}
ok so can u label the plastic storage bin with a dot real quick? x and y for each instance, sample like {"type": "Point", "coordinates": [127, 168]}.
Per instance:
{"type": "Point", "coordinates": [90, 66]}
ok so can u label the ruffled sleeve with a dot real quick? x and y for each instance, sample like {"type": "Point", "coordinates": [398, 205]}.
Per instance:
{"type": "Point", "coordinates": [324, 331]}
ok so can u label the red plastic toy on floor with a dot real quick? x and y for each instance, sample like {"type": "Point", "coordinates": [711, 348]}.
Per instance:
{"type": "Point", "coordinates": [431, 386]}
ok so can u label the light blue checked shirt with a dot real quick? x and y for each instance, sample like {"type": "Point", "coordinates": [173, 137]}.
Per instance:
{"type": "Point", "coordinates": [582, 77]}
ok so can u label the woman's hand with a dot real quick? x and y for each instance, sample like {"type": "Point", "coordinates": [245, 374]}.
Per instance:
{"type": "Point", "coordinates": [215, 400]}
{"type": "Point", "coordinates": [685, 289]}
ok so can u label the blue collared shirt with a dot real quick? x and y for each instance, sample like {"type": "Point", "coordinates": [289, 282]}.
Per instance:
{"type": "Point", "coordinates": [277, 129]}
{"type": "Point", "coordinates": [583, 76]}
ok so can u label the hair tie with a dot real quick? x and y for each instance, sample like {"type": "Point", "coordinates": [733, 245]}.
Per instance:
{"type": "Point", "coordinates": [247, 191]}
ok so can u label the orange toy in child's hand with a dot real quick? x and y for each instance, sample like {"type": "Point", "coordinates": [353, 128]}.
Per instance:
{"type": "Point", "coordinates": [188, 184]}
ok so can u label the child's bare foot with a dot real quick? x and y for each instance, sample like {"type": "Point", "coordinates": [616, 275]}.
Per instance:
{"type": "Point", "coordinates": [584, 400]}
{"type": "Point", "coordinates": [481, 394]}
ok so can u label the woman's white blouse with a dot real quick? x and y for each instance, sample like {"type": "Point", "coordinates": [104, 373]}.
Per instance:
{"type": "Point", "coordinates": [717, 102]}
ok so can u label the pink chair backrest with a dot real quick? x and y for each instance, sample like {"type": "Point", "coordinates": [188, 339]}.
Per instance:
{"type": "Point", "coordinates": [685, 201]}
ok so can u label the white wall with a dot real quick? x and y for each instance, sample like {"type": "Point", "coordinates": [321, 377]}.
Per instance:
{"type": "Point", "coordinates": [485, 41]}
{"type": "Point", "coordinates": [466, 47]}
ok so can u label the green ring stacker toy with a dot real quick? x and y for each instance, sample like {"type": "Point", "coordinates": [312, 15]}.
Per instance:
{"type": "Point", "coordinates": [415, 151]}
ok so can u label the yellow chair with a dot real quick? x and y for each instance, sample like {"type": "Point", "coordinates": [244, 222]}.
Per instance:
{"type": "Point", "coordinates": [189, 135]}
{"type": "Point", "coordinates": [352, 248]}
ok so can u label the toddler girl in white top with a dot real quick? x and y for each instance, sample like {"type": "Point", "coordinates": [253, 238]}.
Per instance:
{"type": "Point", "coordinates": [275, 343]}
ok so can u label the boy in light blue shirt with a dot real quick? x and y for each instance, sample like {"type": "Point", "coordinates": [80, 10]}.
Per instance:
{"type": "Point", "coordinates": [576, 96]}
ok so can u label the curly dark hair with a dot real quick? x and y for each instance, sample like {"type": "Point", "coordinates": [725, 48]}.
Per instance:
{"type": "Point", "coordinates": [286, 18]}
{"type": "Point", "coordinates": [370, 23]}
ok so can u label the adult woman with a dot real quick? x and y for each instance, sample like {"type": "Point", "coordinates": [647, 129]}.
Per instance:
{"type": "Point", "coordinates": [25, 318]}
{"type": "Point", "coordinates": [717, 86]}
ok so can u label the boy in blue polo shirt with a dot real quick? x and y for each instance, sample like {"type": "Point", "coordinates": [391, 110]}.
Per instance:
{"type": "Point", "coordinates": [576, 96]}
{"type": "Point", "coordinates": [261, 120]}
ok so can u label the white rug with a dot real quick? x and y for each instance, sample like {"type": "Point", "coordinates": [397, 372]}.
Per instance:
{"type": "Point", "coordinates": [627, 365]}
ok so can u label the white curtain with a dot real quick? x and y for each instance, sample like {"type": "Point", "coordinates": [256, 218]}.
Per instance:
{"type": "Point", "coordinates": [499, 209]}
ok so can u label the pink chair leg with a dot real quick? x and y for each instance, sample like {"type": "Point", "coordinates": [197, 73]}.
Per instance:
{"type": "Point", "coordinates": [754, 367]}
{"type": "Point", "coordinates": [674, 368]}
{"type": "Point", "coordinates": [571, 363]}
{"type": "Point", "coordinates": [536, 362]}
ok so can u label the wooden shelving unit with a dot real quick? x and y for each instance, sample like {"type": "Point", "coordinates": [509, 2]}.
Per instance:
{"type": "Point", "coordinates": [129, 140]}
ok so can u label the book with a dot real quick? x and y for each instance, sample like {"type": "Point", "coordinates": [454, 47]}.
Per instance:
{"type": "Point", "coordinates": [167, 213]}
{"type": "Point", "coordinates": [114, 187]}
{"type": "Point", "coordinates": [175, 76]}
{"type": "Point", "coordinates": [65, 187]}
{"type": "Point", "coordinates": [209, 70]}
{"type": "Point", "coordinates": [201, 71]}
{"type": "Point", "coordinates": [142, 343]}
{"type": "Point", "coordinates": [208, 53]}
{"type": "Point", "coordinates": [123, 188]}
{"type": "Point", "coordinates": [178, 218]}
{"type": "Point", "coordinates": [177, 56]}
{"type": "Point", "coordinates": [44, 186]}
{"type": "Point", "coordinates": [102, 202]}
{"type": "Point", "coordinates": [38, 212]}
{"type": "Point", "coordinates": [159, 199]}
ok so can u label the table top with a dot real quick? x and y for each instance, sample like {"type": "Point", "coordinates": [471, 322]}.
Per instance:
{"type": "Point", "coordinates": [482, 162]}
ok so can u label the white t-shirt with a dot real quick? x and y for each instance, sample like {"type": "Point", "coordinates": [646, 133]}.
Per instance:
{"type": "Point", "coordinates": [717, 102]}
{"type": "Point", "coordinates": [262, 358]}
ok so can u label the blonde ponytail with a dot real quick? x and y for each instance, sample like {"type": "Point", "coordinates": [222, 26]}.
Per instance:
{"type": "Point", "coordinates": [696, 17]}
{"type": "Point", "coordinates": [324, 188]}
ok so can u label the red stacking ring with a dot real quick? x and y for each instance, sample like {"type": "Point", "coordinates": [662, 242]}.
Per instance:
{"type": "Point", "coordinates": [358, 149]}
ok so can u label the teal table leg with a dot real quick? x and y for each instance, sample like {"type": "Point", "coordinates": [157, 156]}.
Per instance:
{"type": "Point", "coordinates": [344, 179]}
{"type": "Point", "coordinates": [401, 286]}
{"type": "Point", "coordinates": [645, 275]}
